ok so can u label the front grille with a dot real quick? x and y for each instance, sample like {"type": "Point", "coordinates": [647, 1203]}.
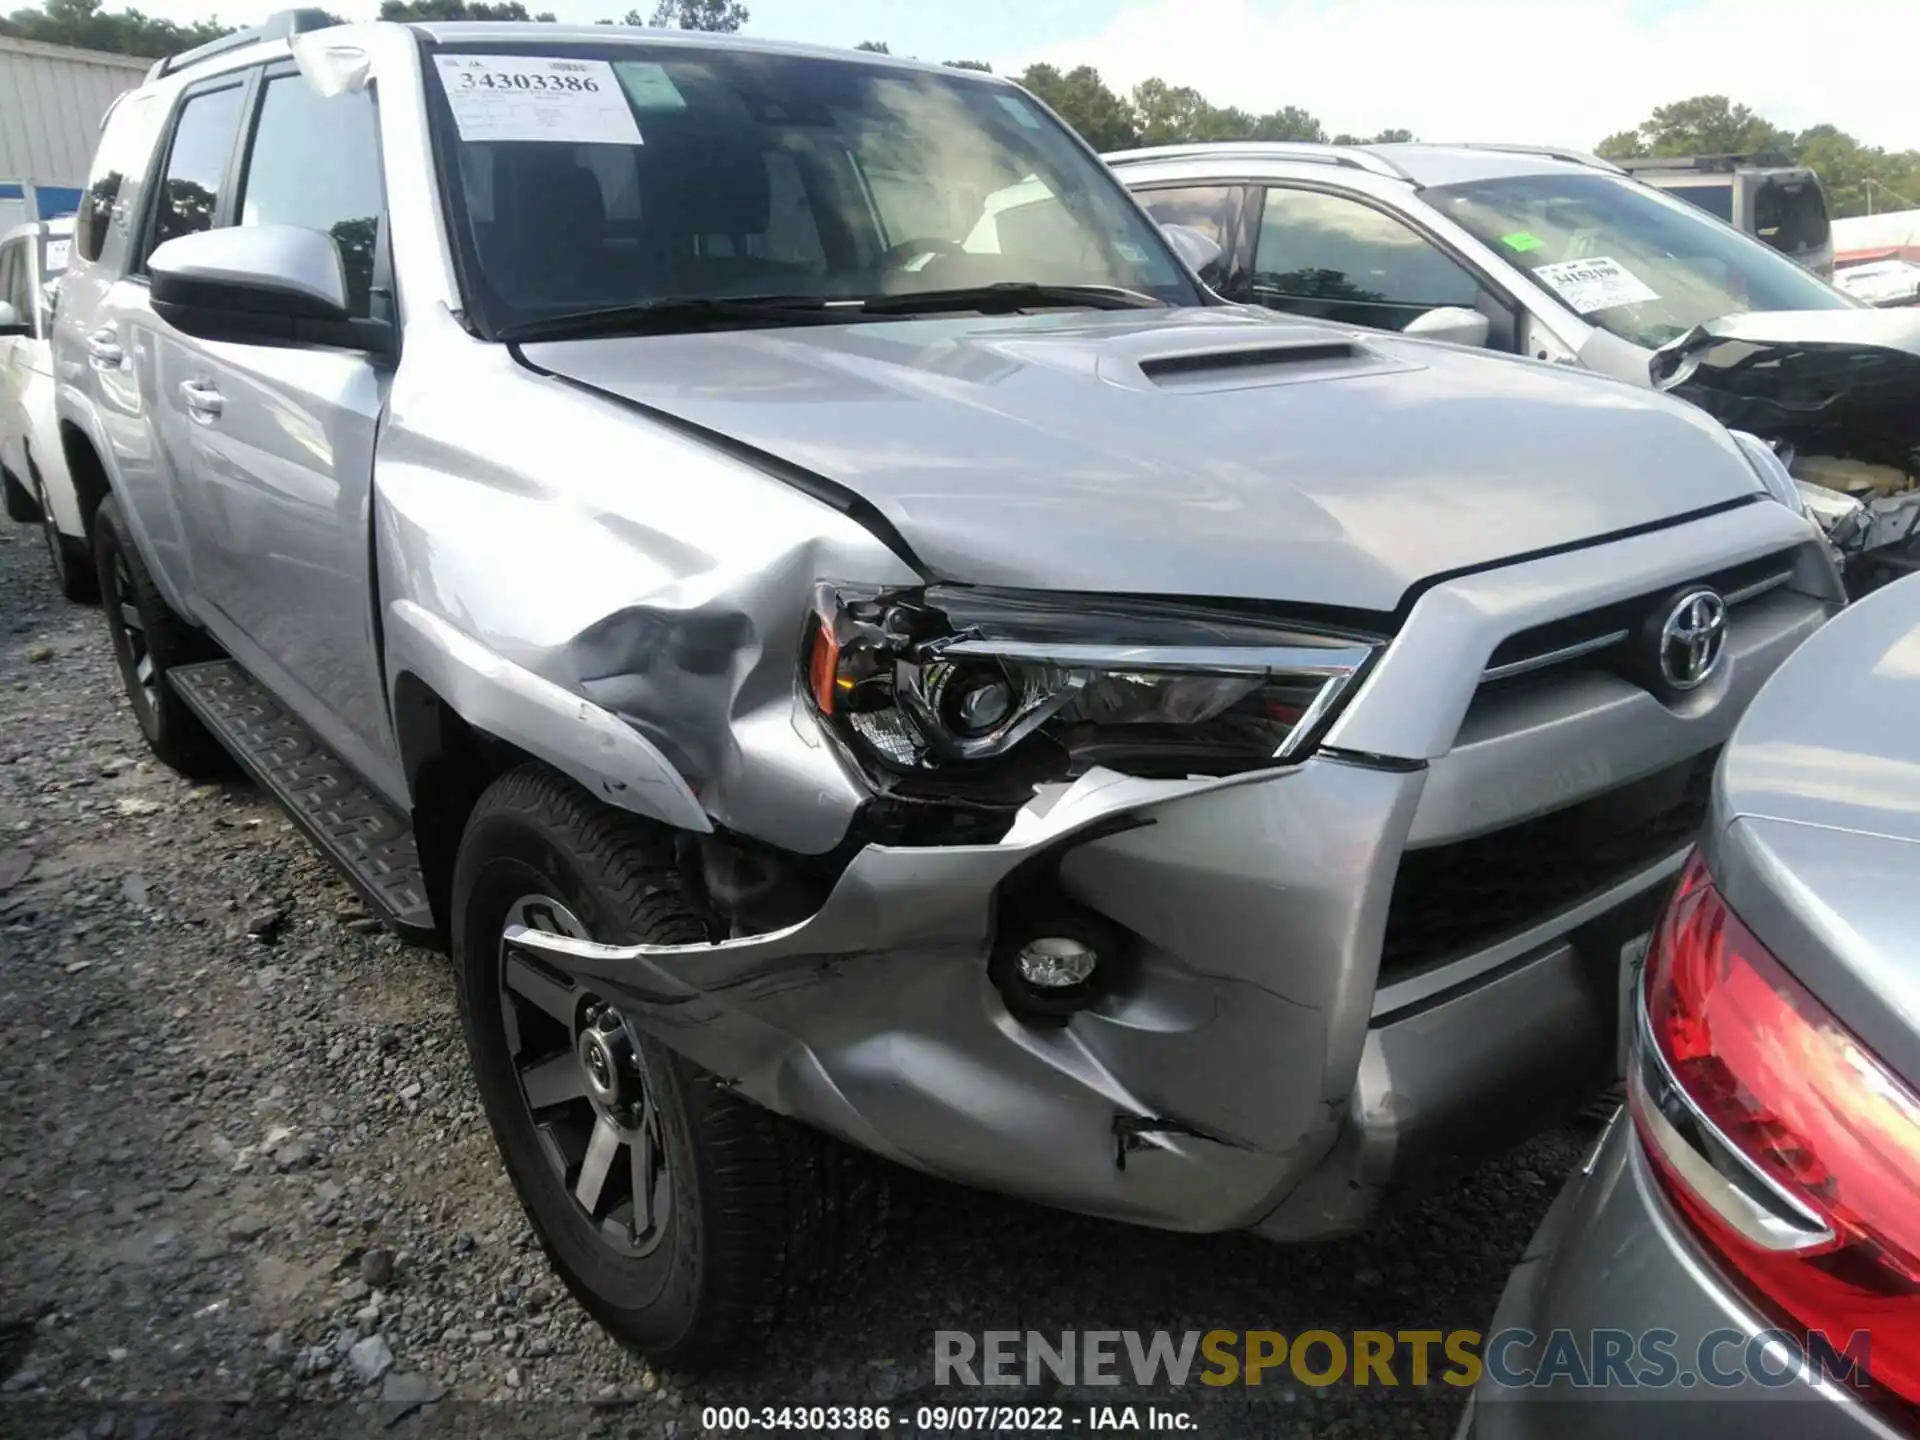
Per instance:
{"type": "Point", "coordinates": [1605, 636]}
{"type": "Point", "coordinates": [1454, 899]}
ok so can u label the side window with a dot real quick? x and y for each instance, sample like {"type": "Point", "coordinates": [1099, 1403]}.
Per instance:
{"type": "Point", "coordinates": [13, 282]}
{"type": "Point", "coordinates": [315, 163]}
{"type": "Point", "coordinates": [1336, 258]}
{"type": "Point", "coordinates": [125, 146]}
{"type": "Point", "coordinates": [1209, 209]}
{"type": "Point", "coordinates": [793, 235]}
{"type": "Point", "coordinates": [196, 165]}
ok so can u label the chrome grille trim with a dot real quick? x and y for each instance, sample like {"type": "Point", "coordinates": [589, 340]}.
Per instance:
{"type": "Point", "coordinates": [1595, 644]}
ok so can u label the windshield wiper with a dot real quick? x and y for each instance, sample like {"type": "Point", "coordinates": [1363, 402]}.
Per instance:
{"type": "Point", "coordinates": [682, 312]}
{"type": "Point", "coordinates": [1011, 296]}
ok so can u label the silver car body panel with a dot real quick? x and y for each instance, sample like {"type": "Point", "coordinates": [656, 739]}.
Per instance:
{"type": "Point", "coordinates": [1613, 1255]}
{"type": "Point", "coordinates": [610, 566]}
{"type": "Point", "coordinates": [1042, 452]}
{"type": "Point", "coordinates": [1815, 826]}
{"type": "Point", "coordinates": [1813, 838]}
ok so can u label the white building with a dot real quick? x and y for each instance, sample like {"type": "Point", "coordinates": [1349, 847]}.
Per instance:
{"type": "Point", "coordinates": [52, 98]}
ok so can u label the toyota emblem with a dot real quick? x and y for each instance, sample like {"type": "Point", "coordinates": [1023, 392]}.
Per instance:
{"type": "Point", "coordinates": [1692, 639]}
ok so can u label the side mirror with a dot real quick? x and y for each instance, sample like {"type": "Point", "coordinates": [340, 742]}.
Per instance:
{"type": "Point", "coordinates": [1198, 250]}
{"type": "Point", "coordinates": [1454, 324]}
{"type": "Point", "coordinates": [11, 321]}
{"type": "Point", "coordinates": [260, 285]}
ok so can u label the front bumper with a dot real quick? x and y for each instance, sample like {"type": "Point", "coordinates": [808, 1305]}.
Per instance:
{"type": "Point", "coordinates": [1611, 1256]}
{"type": "Point", "coordinates": [1243, 1053]}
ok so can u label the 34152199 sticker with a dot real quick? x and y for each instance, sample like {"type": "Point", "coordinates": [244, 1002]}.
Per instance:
{"type": "Point", "coordinates": [529, 97]}
{"type": "Point", "coordinates": [1597, 284]}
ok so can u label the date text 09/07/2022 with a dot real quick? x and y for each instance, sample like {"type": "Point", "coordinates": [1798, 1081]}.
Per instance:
{"type": "Point", "coordinates": [941, 1419]}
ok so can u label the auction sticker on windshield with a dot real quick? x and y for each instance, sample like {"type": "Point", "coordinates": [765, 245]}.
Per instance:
{"type": "Point", "coordinates": [1597, 284]}
{"type": "Point", "coordinates": [526, 97]}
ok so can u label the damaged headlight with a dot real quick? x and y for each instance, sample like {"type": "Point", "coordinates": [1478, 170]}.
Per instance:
{"type": "Point", "coordinates": [946, 679]}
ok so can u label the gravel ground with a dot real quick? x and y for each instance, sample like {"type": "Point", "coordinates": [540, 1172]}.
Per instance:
{"type": "Point", "coordinates": [246, 1188]}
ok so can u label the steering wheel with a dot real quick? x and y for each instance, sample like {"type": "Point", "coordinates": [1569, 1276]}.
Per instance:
{"type": "Point", "coordinates": [897, 256]}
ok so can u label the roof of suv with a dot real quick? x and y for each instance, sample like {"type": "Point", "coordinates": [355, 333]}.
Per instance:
{"type": "Point", "coordinates": [280, 27]}
{"type": "Point", "coordinates": [1414, 162]}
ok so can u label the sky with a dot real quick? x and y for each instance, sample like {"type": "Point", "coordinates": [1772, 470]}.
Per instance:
{"type": "Point", "coordinates": [1562, 72]}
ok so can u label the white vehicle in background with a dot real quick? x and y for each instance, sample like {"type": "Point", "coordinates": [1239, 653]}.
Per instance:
{"type": "Point", "coordinates": [1566, 258]}
{"type": "Point", "coordinates": [1881, 283]}
{"type": "Point", "coordinates": [33, 468]}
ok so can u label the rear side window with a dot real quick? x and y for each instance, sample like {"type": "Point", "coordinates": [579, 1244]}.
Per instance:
{"type": "Point", "coordinates": [1791, 215]}
{"type": "Point", "coordinates": [1716, 197]}
{"type": "Point", "coordinates": [16, 282]}
{"type": "Point", "coordinates": [315, 163]}
{"type": "Point", "coordinates": [189, 197]}
{"type": "Point", "coordinates": [125, 146]}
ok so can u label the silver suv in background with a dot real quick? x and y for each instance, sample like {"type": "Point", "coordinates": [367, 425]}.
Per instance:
{"type": "Point", "coordinates": [1565, 258]}
{"type": "Point", "coordinates": [836, 653]}
{"type": "Point", "coordinates": [1761, 194]}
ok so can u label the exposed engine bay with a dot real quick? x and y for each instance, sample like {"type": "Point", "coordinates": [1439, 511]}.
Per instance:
{"type": "Point", "coordinates": [1836, 394]}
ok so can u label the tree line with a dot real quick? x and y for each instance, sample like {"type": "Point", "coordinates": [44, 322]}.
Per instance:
{"type": "Point", "coordinates": [1859, 178]}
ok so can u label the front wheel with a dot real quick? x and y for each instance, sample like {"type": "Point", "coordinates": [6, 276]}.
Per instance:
{"type": "Point", "coordinates": [686, 1220]}
{"type": "Point", "coordinates": [73, 567]}
{"type": "Point", "coordinates": [148, 640]}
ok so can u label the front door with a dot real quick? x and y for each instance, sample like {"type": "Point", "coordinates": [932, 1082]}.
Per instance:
{"type": "Point", "coordinates": [282, 437]}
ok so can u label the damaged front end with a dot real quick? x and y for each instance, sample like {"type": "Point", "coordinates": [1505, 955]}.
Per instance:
{"type": "Point", "coordinates": [1108, 931]}
{"type": "Point", "coordinates": [1836, 396]}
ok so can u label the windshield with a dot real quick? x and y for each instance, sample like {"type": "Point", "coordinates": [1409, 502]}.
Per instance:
{"type": "Point", "coordinates": [583, 176]}
{"type": "Point", "coordinates": [1627, 258]}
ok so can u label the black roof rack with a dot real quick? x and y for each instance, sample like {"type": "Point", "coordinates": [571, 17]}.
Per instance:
{"type": "Point", "coordinates": [1707, 164]}
{"type": "Point", "coordinates": [1545, 152]}
{"type": "Point", "coordinates": [277, 26]}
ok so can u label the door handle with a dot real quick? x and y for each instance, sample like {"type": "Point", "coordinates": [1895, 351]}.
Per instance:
{"type": "Point", "coordinates": [202, 400]}
{"type": "Point", "coordinates": [103, 347]}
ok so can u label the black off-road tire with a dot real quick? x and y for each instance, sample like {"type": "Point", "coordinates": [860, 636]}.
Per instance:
{"type": "Point", "coordinates": [73, 569]}
{"type": "Point", "coordinates": [143, 626]}
{"type": "Point", "coordinates": [764, 1214]}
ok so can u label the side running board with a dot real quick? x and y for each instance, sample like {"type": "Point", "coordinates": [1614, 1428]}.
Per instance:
{"type": "Point", "coordinates": [370, 843]}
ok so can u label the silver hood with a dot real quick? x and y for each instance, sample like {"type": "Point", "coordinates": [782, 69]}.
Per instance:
{"type": "Point", "coordinates": [1199, 452]}
{"type": "Point", "coordinates": [1843, 381]}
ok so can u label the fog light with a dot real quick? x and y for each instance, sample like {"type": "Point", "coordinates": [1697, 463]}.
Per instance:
{"type": "Point", "coordinates": [1056, 962]}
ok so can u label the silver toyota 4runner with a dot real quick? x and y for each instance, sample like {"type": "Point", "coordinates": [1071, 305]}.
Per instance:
{"type": "Point", "coordinates": [834, 653]}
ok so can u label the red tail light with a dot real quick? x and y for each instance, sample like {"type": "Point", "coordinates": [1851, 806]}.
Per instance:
{"type": "Point", "coordinates": [1817, 1207]}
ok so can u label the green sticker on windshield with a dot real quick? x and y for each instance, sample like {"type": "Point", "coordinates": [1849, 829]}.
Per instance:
{"type": "Point", "coordinates": [1521, 240]}
{"type": "Point", "coordinates": [648, 86]}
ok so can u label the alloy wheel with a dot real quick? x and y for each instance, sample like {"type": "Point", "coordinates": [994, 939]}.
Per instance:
{"type": "Point", "coordinates": [583, 1080]}
{"type": "Point", "coordinates": [131, 630]}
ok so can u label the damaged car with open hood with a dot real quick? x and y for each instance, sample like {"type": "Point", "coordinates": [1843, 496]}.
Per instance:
{"type": "Point", "coordinates": [845, 667]}
{"type": "Point", "coordinates": [1564, 257]}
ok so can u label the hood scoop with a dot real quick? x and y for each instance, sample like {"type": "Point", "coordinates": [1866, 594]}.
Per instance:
{"type": "Point", "coordinates": [1246, 366]}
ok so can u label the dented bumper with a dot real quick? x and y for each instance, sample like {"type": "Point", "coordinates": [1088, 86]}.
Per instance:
{"type": "Point", "coordinates": [1218, 1075]}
